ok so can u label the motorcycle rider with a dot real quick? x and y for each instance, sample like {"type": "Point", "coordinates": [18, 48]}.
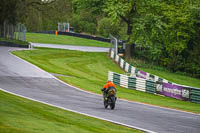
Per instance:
{"type": "Point", "coordinates": [109, 85]}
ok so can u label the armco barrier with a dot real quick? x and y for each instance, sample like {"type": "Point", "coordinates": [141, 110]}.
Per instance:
{"type": "Point", "coordinates": [76, 35]}
{"type": "Point", "coordinates": [84, 36]}
{"type": "Point", "coordinates": [10, 44]}
{"type": "Point", "coordinates": [170, 90]}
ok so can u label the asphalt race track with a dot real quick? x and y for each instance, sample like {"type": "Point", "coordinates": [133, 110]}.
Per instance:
{"type": "Point", "coordinates": [72, 47]}
{"type": "Point", "coordinates": [22, 78]}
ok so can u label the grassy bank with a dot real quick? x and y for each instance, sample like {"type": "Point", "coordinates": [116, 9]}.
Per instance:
{"type": "Point", "coordinates": [63, 39]}
{"type": "Point", "coordinates": [89, 71]}
{"type": "Point", "coordinates": [19, 115]}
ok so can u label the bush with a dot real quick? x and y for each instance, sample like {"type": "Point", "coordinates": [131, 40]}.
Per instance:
{"type": "Point", "coordinates": [81, 25]}
{"type": "Point", "coordinates": [106, 27]}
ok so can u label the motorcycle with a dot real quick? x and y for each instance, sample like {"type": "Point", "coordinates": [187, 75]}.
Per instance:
{"type": "Point", "coordinates": [110, 98]}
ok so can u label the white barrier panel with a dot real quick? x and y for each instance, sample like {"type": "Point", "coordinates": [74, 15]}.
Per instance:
{"type": "Point", "coordinates": [122, 63]}
{"type": "Point", "coordinates": [140, 84]}
{"type": "Point", "coordinates": [124, 81]}
{"type": "Point", "coordinates": [127, 67]}
{"type": "Point", "coordinates": [148, 75]}
{"type": "Point", "coordinates": [112, 54]}
{"type": "Point", "coordinates": [156, 78]}
{"type": "Point", "coordinates": [133, 70]}
{"type": "Point", "coordinates": [117, 58]}
{"type": "Point", "coordinates": [165, 81]}
{"type": "Point", "coordinates": [110, 76]}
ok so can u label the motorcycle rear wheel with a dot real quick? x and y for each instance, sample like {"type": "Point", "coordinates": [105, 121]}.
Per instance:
{"type": "Point", "coordinates": [112, 105]}
{"type": "Point", "coordinates": [105, 104]}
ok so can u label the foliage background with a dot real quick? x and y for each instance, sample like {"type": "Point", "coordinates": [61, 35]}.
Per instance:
{"type": "Point", "coordinates": [166, 33]}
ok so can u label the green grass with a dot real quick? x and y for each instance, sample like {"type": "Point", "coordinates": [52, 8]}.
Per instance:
{"type": "Point", "coordinates": [89, 71]}
{"type": "Point", "coordinates": [14, 41]}
{"type": "Point", "coordinates": [19, 115]}
{"type": "Point", "coordinates": [164, 73]}
{"type": "Point", "coordinates": [63, 39]}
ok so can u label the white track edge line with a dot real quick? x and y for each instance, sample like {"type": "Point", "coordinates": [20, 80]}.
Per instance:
{"type": "Point", "coordinates": [78, 112]}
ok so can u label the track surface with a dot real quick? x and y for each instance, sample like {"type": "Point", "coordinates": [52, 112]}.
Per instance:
{"type": "Point", "coordinates": [22, 78]}
{"type": "Point", "coordinates": [72, 47]}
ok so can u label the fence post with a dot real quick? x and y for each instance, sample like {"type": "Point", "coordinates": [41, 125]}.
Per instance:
{"type": "Point", "coordinates": [114, 40]}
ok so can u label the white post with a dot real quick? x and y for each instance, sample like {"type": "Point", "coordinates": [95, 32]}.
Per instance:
{"type": "Point", "coordinates": [116, 46]}
{"type": "Point", "coordinates": [68, 27]}
{"type": "Point", "coordinates": [58, 26]}
{"type": "Point", "coordinates": [64, 26]}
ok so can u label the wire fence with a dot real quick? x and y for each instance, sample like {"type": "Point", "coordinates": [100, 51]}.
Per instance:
{"type": "Point", "coordinates": [11, 31]}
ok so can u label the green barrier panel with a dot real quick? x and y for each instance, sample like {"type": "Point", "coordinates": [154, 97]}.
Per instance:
{"type": "Point", "coordinates": [150, 87]}
{"type": "Point", "coordinates": [152, 77]}
{"type": "Point", "coordinates": [132, 83]}
{"type": "Point", "coordinates": [160, 79]}
{"type": "Point", "coordinates": [116, 79]}
{"type": "Point", "coordinates": [129, 69]}
{"type": "Point", "coordinates": [114, 56]}
{"type": "Point", "coordinates": [195, 91]}
{"type": "Point", "coordinates": [136, 71]}
{"type": "Point", "coordinates": [119, 62]}
{"type": "Point", "coordinates": [124, 65]}
{"type": "Point", "coordinates": [195, 95]}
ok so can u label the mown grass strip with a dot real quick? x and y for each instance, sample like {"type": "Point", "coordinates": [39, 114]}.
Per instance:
{"type": "Point", "coordinates": [19, 115]}
{"type": "Point", "coordinates": [89, 71]}
{"type": "Point", "coordinates": [63, 39]}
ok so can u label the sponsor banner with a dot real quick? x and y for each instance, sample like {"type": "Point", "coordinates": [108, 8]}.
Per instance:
{"type": "Point", "coordinates": [142, 74]}
{"type": "Point", "coordinates": [174, 91]}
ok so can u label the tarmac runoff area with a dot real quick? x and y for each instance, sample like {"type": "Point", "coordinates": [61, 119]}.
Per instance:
{"type": "Point", "coordinates": [23, 79]}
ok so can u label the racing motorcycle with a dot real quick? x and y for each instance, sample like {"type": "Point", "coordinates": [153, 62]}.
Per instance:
{"type": "Point", "coordinates": [110, 98]}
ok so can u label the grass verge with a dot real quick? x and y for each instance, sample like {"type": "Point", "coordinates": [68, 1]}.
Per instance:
{"type": "Point", "coordinates": [89, 71]}
{"type": "Point", "coordinates": [63, 39]}
{"type": "Point", "coordinates": [19, 115]}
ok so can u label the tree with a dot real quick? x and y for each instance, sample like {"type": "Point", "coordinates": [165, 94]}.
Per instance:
{"type": "Point", "coordinates": [170, 31]}
{"type": "Point", "coordinates": [14, 11]}
{"type": "Point", "coordinates": [47, 17]}
{"type": "Point", "coordinates": [126, 11]}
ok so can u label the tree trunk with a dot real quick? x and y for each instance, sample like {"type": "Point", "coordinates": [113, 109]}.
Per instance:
{"type": "Point", "coordinates": [128, 44]}
{"type": "Point", "coordinates": [128, 51]}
